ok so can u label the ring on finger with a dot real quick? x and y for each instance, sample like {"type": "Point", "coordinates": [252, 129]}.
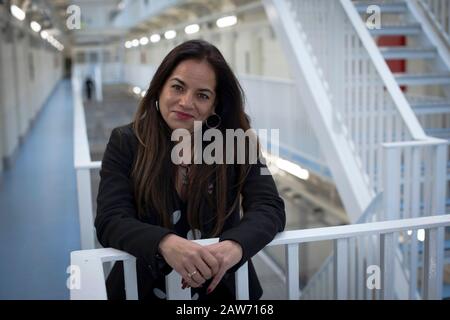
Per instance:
{"type": "Point", "coordinates": [191, 274]}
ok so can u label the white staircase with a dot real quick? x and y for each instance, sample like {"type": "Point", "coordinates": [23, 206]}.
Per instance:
{"type": "Point", "coordinates": [372, 124]}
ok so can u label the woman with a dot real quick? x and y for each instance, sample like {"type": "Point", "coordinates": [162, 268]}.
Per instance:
{"type": "Point", "coordinates": [151, 207]}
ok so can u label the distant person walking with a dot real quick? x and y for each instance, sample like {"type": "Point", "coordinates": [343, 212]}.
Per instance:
{"type": "Point", "coordinates": [89, 87]}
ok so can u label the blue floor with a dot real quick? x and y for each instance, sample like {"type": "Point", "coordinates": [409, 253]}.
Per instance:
{"type": "Point", "coordinates": [38, 207]}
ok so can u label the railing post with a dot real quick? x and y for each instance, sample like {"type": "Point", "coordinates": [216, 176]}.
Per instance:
{"type": "Point", "coordinates": [440, 179]}
{"type": "Point", "coordinates": [387, 265]}
{"type": "Point", "coordinates": [173, 287]}
{"type": "Point", "coordinates": [129, 271]}
{"type": "Point", "coordinates": [433, 263]}
{"type": "Point", "coordinates": [292, 265]}
{"type": "Point", "coordinates": [91, 278]}
{"type": "Point", "coordinates": [391, 182]}
{"type": "Point", "coordinates": [87, 231]}
{"type": "Point", "coordinates": [241, 279]}
{"type": "Point", "coordinates": [341, 269]}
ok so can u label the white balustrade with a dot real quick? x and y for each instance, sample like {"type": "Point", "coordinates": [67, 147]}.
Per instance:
{"type": "Point", "coordinates": [92, 277]}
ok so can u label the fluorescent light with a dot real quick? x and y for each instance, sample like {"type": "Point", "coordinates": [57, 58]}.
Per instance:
{"type": "Point", "coordinates": [226, 21]}
{"type": "Point", "coordinates": [155, 38]}
{"type": "Point", "coordinates": [193, 28]}
{"type": "Point", "coordinates": [36, 27]}
{"type": "Point", "coordinates": [44, 34]}
{"type": "Point", "coordinates": [292, 168]}
{"type": "Point", "coordinates": [170, 34]}
{"type": "Point", "coordinates": [137, 90]}
{"type": "Point", "coordinates": [143, 93]}
{"type": "Point", "coordinates": [17, 12]}
{"type": "Point", "coordinates": [143, 41]}
{"type": "Point", "coordinates": [135, 43]}
{"type": "Point", "coordinates": [128, 44]}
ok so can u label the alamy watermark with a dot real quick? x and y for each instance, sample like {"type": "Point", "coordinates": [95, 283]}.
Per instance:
{"type": "Point", "coordinates": [73, 21]}
{"type": "Point", "coordinates": [373, 21]}
{"type": "Point", "coordinates": [74, 280]}
{"type": "Point", "coordinates": [373, 281]}
{"type": "Point", "coordinates": [240, 147]}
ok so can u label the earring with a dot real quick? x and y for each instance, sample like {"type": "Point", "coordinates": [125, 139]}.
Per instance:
{"type": "Point", "coordinates": [157, 105]}
{"type": "Point", "coordinates": [213, 121]}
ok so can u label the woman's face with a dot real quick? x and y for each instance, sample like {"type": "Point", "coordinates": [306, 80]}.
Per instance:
{"type": "Point", "coordinates": [188, 94]}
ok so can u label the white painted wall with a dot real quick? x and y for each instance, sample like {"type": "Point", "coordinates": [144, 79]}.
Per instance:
{"type": "Point", "coordinates": [21, 95]}
{"type": "Point", "coordinates": [10, 130]}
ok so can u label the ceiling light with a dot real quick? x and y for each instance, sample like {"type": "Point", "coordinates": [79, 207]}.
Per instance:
{"type": "Point", "coordinates": [226, 21]}
{"type": "Point", "coordinates": [137, 90]}
{"type": "Point", "coordinates": [143, 41]}
{"type": "Point", "coordinates": [193, 28]}
{"type": "Point", "coordinates": [155, 38]}
{"type": "Point", "coordinates": [44, 34]}
{"type": "Point", "coordinates": [135, 43]}
{"type": "Point", "coordinates": [170, 34]}
{"type": "Point", "coordinates": [292, 168]}
{"type": "Point", "coordinates": [36, 27]}
{"type": "Point", "coordinates": [17, 12]}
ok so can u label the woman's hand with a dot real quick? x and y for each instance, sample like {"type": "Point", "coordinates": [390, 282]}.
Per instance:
{"type": "Point", "coordinates": [194, 262]}
{"type": "Point", "coordinates": [228, 253]}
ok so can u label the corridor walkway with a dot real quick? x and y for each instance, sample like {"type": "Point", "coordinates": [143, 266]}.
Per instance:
{"type": "Point", "coordinates": [38, 208]}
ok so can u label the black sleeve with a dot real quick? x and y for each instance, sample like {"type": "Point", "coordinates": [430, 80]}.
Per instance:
{"type": "Point", "coordinates": [263, 214]}
{"type": "Point", "coordinates": [116, 223]}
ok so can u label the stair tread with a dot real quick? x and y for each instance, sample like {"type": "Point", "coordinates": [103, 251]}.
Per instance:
{"type": "Point", "coordinates": [426, 104]}
{"type": "Point", "coordinates": [430, 108]}
{"type": "Point", "coordinates": [412, 49]}
{"type": "Point", "coordinates": [400, 52]}
{"type": "Point", "coordinates": [390, 7]}
{"type": "Point", "coordinates": [422, 78]}
{"type": "Point", "coordinates": [403, 29]}
{"type": "Point", "coordinates": [443, 133]}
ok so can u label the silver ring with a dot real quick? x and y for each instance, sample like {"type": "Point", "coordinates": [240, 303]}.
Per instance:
{"type": "Point", "coordinates": [192, 273]}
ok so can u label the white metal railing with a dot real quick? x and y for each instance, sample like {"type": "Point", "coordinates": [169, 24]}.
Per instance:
{"type": "Point", "coordinates": [321, 283]}
{"type": "Point", "coordinates": [411, 191]}
{"type": "Point", "coordinates": [91, 282]}
{"type": "Point", "coordinates": [440, 11]}
{"type": "Point", "coordinates": [83, 166]}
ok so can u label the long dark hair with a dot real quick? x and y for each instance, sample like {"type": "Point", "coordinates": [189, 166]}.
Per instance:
{"type": "Point", "coordinates": [153, 171]}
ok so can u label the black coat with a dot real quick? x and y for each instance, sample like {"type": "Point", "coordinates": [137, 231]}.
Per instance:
{"type": "Point", "coordinates": [118, 225]}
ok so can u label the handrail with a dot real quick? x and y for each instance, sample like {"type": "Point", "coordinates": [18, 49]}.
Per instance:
{"type": "Point", "coordinates": [81, 145]}
{"type": "Point", "coordinates": [354, 230]}
{"type": "Point", "coordinates": [403, 107]}
{"type": "Point", "coordinates": [91, 260]}
{"type": "Point", "coordinates": [83, 164]}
